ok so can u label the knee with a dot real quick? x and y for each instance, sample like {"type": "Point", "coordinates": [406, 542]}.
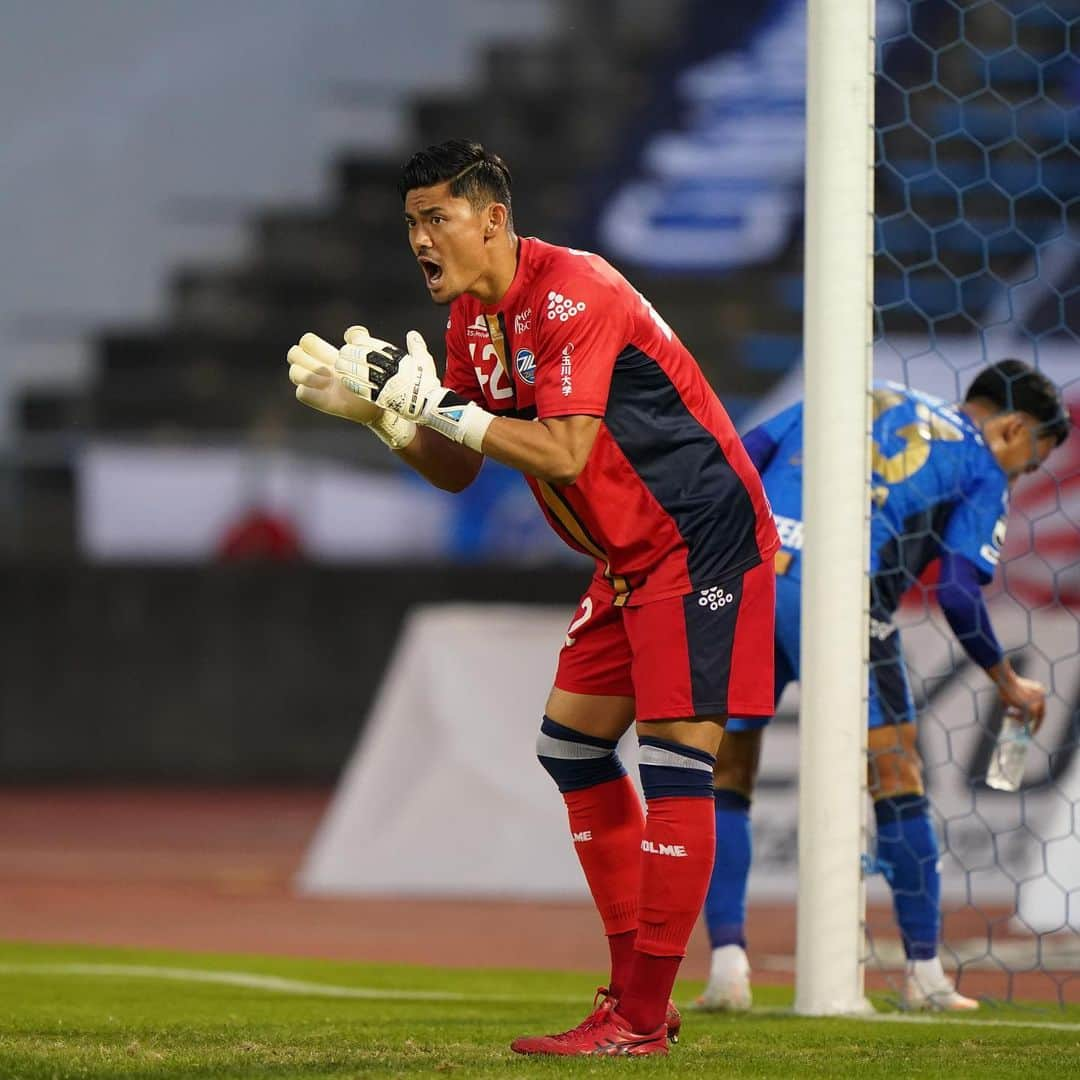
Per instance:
{"type": "Point", "coordinates": [894, 766]}
{"type": "Point", "coordinates": [674, 770]}
{"type": "Point", "coordinates": [737, 762]}
{"type": "Point", "coordinates": [574, 760]}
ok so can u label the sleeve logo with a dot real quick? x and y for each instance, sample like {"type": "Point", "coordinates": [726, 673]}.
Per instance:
{"type": "Point", "coordinates": [562, 307]}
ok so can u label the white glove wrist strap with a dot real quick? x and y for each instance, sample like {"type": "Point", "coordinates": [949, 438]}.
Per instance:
{"type": "Point", "coordinates": [474, 426]}
{"type": "Point", "coordinates": [464, 423]}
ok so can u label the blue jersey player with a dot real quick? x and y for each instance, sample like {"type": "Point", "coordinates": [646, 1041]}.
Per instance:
{"type": "Point", "coordinates": [940, 490]}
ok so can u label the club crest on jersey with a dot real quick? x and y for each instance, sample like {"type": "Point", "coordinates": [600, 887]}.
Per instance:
{"type": "Point", "coordinates": [525, 363]}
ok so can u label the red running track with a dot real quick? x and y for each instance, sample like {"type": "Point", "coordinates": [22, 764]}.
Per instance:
{"type": "Point", "coordinates": [210, 870]}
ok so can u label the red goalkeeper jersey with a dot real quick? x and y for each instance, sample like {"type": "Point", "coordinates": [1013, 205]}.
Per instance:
{"type": "Point", "coordinates": [668, 502]}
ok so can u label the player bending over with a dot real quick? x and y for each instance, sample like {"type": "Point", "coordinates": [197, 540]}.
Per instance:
{"type": "Point", "coordinates": [558, 367]}
{"type": "Point", "coordinates": [940, 489]}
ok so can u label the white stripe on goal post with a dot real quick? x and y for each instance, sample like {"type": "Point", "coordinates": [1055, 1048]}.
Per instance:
{"type": "Point", "coordinates": [838, 338]}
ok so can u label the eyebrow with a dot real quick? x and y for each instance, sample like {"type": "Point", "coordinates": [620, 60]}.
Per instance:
{"type": "Point", "coordinates": [426, 213]}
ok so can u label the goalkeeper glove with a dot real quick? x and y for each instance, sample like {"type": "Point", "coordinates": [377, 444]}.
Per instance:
{"type": "Point", "coordinates": [406, 383]}
{"type": "Point", "coordinates": [311, 371]}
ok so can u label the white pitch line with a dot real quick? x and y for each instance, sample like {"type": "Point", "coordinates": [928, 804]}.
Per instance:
{"type": "Point", "coordinates": [950, 1021]}
{"type": "Point", "coordinates": [276, 984]}
{"type": "Point", "coordinates": [943, 1019]}
{"type": "Point", "coordinates": [271, 983]}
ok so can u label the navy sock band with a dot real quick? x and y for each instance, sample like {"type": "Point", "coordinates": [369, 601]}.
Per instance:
{"type": "Point", "coordinates": [560, 731]}
{"type": "Point", "coordinates": [726, 799]}
{"type": "Point", "coordinates": [701, 756]}
{"type": "Point", "coordinates": [672, 771]}
{"type": "Point", "coordinates": [574, 760]}
{"type": "Point", "coordinates": [900, 807]}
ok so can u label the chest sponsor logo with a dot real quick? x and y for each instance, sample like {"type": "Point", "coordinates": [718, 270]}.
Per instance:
{"type": "Point", "coordinates": [525, 362]}
{"type": "Point", "coordinates": [523, 321]}
{"type": "Point", "coordinates": [562, 307]}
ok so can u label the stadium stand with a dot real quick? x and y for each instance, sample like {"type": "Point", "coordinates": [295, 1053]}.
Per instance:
{"type": "Point", "coordinates": [964, 210]}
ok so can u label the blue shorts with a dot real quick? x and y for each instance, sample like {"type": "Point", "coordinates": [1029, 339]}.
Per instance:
{"type": "Point", "coordinates": [889, 692]}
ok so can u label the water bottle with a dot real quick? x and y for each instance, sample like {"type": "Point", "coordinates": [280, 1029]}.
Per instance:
{"type": "Point", "coordinates": [1006, 769]}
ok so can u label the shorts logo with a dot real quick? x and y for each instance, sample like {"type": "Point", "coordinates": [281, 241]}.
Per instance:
{"type": "Point", "coordinates": [715, 598]}
{"type": "Point", "coordinates": [562, 307]}
{"type": "Point", "coordinates": [525, 363]}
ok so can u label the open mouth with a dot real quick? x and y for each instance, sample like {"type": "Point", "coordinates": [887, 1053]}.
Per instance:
{"type": "Point", "coordinates": [433, 272]}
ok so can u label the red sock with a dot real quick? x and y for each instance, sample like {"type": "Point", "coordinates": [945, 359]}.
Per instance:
{"type": "Point", "coordinates": [676, 862]}
{"type": "Point", "coordinates": [607, 821]}
{"type": "Point", "coordinates": [622, 951]}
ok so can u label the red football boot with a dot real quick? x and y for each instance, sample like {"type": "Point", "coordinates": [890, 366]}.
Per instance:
{"type": "Point", "coordinates": [674, 1022]}
{"type": "Point", "coordinates": [602, 1032]}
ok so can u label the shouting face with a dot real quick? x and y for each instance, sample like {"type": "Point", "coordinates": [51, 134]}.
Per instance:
{"type": "Point", "coordinates": [451, 240]}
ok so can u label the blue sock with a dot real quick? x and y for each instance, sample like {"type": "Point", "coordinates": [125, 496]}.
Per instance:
{"type": "Point", "coordinates": [907, 852]}
{"type": "Point", "coordinates": [725, 906]}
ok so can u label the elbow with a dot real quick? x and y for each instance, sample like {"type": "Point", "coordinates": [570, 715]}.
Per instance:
{"type": "Point", "coordinates": [955, 607]}
{"type": "Point", "coordinates": [454, 484]}
{"type": "Point", "coordinates": [563, 469]}
{"type": "Point", "coordinates": [564, 475]}
{"type": "Point", "coordinates": [459, 476]}
{"type": "Point", "coordinates": [453, 487]}
{"type": "Point", "coordinates": [562, 479]}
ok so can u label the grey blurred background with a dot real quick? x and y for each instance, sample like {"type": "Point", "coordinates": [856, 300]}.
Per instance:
{"type": "Point", "coordinates": [189, 561]}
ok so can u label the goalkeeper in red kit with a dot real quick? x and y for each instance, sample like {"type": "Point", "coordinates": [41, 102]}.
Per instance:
{"type": "Point", "coordinates": [558, 367]}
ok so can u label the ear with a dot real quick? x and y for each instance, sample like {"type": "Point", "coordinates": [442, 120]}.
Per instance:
{"type": "Point", "coordinates": [1014, 427]}
{"type": "Point", "coordinates": [497, 217]}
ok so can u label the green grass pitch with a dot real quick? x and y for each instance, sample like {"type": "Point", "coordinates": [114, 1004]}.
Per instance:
{"type": "Point", "coordinates": [103, 1013]}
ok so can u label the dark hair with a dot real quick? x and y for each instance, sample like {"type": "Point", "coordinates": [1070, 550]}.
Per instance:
{"type": "Point", "coordinates": [474, 173]}
{"type": "Point", "coordinates": [1013, 386]}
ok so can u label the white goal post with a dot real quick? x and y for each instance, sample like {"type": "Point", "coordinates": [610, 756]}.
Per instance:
{"type": "Point", "coordinates": [838, 341]}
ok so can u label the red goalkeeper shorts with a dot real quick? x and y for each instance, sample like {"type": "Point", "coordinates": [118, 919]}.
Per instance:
{"type": "Point", "coordinates": [708, 653]}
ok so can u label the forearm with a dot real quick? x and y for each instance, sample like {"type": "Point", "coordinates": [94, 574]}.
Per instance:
{"type": "Point", "coordinates": [1001, 674]}
{"type": "Point", "coordinates": [452, 433]}
{"type": "Point", "coordinates": [444, 464]}
{"type": "Point", "coordinates": [532, 447]}
{"type": "Point", "coordinates": [960, 598]}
